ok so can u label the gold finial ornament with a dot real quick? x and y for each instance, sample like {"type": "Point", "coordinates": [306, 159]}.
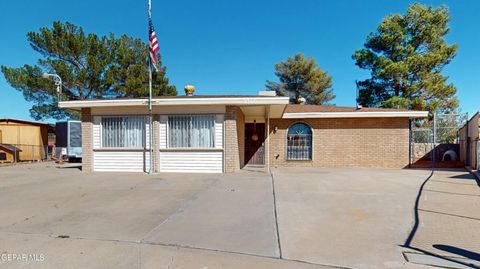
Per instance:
{"type": "Point", "coordinates": [189, 90]}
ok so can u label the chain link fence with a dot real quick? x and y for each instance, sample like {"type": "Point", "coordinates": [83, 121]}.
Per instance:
{"type": "Point", "coordinates": [14, 153]}
{"type": "Point", "coordinates": [435, 142]}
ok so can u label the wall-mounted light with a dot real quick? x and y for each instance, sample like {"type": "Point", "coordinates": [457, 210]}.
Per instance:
{"type": "Point", "coordinates": [275, 129]}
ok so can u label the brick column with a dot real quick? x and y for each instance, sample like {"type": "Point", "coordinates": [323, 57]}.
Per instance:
{"type": "Point", "coordinates": [87, 139]}
{"type": "Point", "coordinates": [234, 139]}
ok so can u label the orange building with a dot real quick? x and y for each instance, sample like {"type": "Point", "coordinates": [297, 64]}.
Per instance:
{"type": "Point", "coordinates": [23, 140]}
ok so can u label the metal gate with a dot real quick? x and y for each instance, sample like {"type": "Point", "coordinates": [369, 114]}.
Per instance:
{"type": "Point", "coordinates": [430, 139]}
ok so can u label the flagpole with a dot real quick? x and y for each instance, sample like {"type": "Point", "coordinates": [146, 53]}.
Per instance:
{"type": "Point", "coordinates": [150, 100]}
{"type": "Point", "coordinates": [150, 115]}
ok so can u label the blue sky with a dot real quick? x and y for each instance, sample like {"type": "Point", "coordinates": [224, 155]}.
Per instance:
{"type": "Point", "coordinates": [230, 47]}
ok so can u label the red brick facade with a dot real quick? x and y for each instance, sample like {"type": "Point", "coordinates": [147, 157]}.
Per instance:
{"type": "Point", "coordinates": [87, 139]}
{"type": "Point", "coordinates": [340, 142]}
{"type": "Point", "coordinates": [234, 144]}
{"type": "Point", "coordinates": [360, 142]}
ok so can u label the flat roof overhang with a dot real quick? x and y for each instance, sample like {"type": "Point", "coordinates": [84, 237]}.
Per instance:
{"type": "Point", "coordinates": [367, 114]}
{"type": "Point", "coordinates": [277, 103]}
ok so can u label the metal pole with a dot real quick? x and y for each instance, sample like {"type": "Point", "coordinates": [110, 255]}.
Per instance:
{"type": "Point", "coordinates": [410, 143]}
{"type": "Point", "coordinates": [434, 138]}
{"type": "Point", "coordinates": [150, 129]}
{"type": "Point", "coordinates": [267, 111]}
{"type": "Point", "coordinates": [59, 88]}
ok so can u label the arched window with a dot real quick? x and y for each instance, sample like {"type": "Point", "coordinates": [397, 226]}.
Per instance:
{"type": "Point", "coordinates": [299, 142]}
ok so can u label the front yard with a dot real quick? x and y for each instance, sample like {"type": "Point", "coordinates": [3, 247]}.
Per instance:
{"type": "Point", "coordinates": [297, 218]}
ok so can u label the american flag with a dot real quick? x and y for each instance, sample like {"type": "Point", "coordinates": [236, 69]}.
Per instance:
{"type": "Point", "coordinates": [152, 40]}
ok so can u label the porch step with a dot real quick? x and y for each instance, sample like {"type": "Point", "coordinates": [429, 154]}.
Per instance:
{"type": "Point", "coordinates": [255, 168]}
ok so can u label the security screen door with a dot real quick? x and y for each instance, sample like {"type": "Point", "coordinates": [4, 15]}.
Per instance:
{"type": "Point", "coordinates": [255, 143]}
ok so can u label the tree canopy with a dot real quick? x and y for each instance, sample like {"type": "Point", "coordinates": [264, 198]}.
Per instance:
{"type": "Point", "coordinates": [90, 67]}
{"type": "Point", "coordinates": [301, 77]}
{"type": "Point", "coordinates": [405, 57]}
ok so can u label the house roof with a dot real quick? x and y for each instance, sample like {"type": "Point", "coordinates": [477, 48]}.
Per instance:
{"type": "Point", "coordinates": [10, 148]}
{"type": "Point", "coordinates": [276, 103]}
{"type": "Point", "coordinates": [318, 111]}
{"type": "Point", "coordinates": [181, 97]}
{"type": "Point", "coordinates": [179, 101]}
{"type": "Point", "coordinates": [50, 127]}
{"type": "Point", "coordinates": [319, 108]}
{"type": "Point", "coordinates": [282, 108]}
{"type": "Point", "coordinates": [22, 121]}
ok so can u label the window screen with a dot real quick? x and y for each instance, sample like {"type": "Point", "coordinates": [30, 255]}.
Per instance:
{"type": "Point", "coordinates": [299, 142]}
{"type": "Point", "coordinates": [75, 134]}
{"type": "Point", "coordinates": [191, 131]}
{"type": "Point", "coordinates": [123, 132]}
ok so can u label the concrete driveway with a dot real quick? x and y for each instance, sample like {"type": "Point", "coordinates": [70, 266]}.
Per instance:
{"type": "Point", "coordinates": [299, 218]}
{"type": "Point", "coordinates": [355, 218]}
{"type": "Point", "coordinates": [70, 219]}
{"type": "Point", "coordinates": [447, 230]}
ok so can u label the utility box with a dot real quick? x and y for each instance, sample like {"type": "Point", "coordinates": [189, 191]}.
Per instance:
{"type": "Point", "coordinates": [68, 140]}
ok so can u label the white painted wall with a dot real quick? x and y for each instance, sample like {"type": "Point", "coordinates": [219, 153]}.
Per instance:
{"type": "Point", "coordinates": [118, 160]}
{"type": "Point", "coordinates": [121, 161]}
{"type": "Point", "coordinates": [171, 160]}
{"type": "Point", "coordinates": [191, 161]}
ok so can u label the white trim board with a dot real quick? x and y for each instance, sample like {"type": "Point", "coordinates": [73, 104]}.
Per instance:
{"type": "Point", "coordinates": [239, 101]}
{"type": "Point", "coordinates": [369, 114]}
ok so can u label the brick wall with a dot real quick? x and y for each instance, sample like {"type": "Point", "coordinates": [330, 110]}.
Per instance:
{"type": "Point", "coordinates": [379, 142]}
{"type": "Point", "coordinates": [241, 137]}
{"type": "Point", "coordinates": [234, 139]}
{"type": "Point", "coordinates": [87, 152]}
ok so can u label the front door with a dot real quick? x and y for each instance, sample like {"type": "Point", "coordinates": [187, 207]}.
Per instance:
{"type": "Point", "coordinates": [254, 143]}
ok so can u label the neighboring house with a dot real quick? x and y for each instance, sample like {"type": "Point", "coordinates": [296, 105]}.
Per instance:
{"type": "Point", "coordinates": [28, 137]}
{"type": "Point", "coordinates": [218, 134]}
{"type": "Point", "coordinates": [469, 142]}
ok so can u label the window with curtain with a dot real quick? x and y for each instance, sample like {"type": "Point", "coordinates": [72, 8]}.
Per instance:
{"type": "Point", "coordinates": [299, 142]}
{"type": "Point", "coordinates": [191, 131]}
{"type": "Point", "coordinates": [123, 132]}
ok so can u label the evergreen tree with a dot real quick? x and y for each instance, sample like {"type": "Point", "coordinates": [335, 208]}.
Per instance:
{"type": "Point", "coordinates": [90, 67]}
{"type": "Point", "coordinates": [406, 56]}
{"type": "Point", "coordinates": [301, 77]}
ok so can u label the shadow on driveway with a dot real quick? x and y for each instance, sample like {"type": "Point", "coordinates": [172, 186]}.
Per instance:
{"type": "Point", "coordinates": [447, 219]}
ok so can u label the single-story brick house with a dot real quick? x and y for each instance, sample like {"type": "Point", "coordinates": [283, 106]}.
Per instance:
{"type": "Point", "coordinates": [222, 134]}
